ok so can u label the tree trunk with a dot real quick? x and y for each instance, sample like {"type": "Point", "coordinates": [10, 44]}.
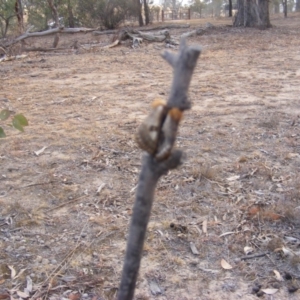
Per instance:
{"type": "Point", "coordinates": [230, 8]}
{"type": "Point", "coordinates": [54, 12]}
{"type": "Point", "coordinates": [297, 5]}
{"type": "Point", "coordinates": [285, 8]}
{"type": "Point", "coordinates": [147, 12]}
{"type": "Point", "coordinates": [70, 15]}
{"type": "Point", "coordinates": [174, 5]}
{"type": "Point", "coordinates": [251, 14]}
{"type": "Point", "coordinates": [139, 12]}
{"type": "Point", "coordinates": [19, 14]}
{"type": "Point", "coordinates": [239, 18]}
{"type": "Point", "coordinates": [56, 19]}
{"type": "Point", "coordinates": [263, 8]}
{"type": "Point", "coordinates": [276, 8]}
{"type": "Point", "coordinates": [6, 27]}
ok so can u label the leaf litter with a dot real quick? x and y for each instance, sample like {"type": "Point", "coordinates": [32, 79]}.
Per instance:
{"type": "Point", "coordinates": [68, 227]}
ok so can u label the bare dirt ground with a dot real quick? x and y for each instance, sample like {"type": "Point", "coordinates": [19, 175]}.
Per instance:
{"type": "Point", "coordinates": [65, 212]}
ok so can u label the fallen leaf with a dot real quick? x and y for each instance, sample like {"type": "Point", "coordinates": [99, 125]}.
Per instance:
{"type": "Point", "coordinates": [225, 265]}
{"type": "Point", "coordinates": [38, 152]}
{"type": "Point", "coordinates": [133, 189]}
{"type": "Point", "coordinates": [29, 284]}
{"type": "Point", "coordinates": [74, 296]}
{"type": "Point", "coordinates": [278, 276]}
{"type": "Point", "coordinates": [23, 294]}
{"type": "Point", "coordinates": [13, 272]}
{"type": "Point", "coordinates": [232, 178]}
{"type": "Point", "coordinates": [209, 270]}
{"type": "Point", "coordinates": [253, 210]}
{"type": "Point", "coordinates": [285, 251]}
{"type": "Point", "coordinates": [248, 250]}
{"type": "Point", "coordinates": [226, 233]}
{"type": "Point", "coordinates": [197, 228]}
{"type": "Point", "coordinates": [101, 186]}
{"type": "Point", "coordinates": [190, 179]}
{"type": "Point", "coordinates": [277, 179]}
{"type": "Point", "coordinates": [193, 248]}
{"type": "Point", "coordinates": [204, 226]}
{"type": "Point", "coordinates": [20, 273]}
{"type": "Point", "coordinates": [291, 155]}
{"type": "Point", "coordinates": [269, 291]}
{"type": "Point", "coordinates": [4, 296]}
{"type": "Point", "coordinates": [271, 216]}
{"type": "Point", "coordinates": [155, 288]}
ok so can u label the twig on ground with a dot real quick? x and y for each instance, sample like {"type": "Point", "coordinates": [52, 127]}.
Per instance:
{"type": "Point", "coordinates": [254, 256]}
{"type": "Point", "coordinates": [39, 183]}
{"type": "Point", "coordinates": [65, 203]}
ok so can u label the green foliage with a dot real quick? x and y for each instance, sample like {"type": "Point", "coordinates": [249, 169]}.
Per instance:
{"type": "Point", "coordinates": [39, 13]}
{"type": "Point", "coordinates": [172, 4]}
{"type": "Point", "coordinates": [19, 121]}
{"type": "Point", "coordinates": [112, 13]}
{"type": "Point", "coordinates": [197, 6]}
{"type": "Point", "coordinates": [108, 13]}
{"type": "Point", "coordinates": [7, 15]}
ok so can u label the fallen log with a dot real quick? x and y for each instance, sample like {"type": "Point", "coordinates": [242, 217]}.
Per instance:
{"type": "Point", "coordinates": [198, 31]}
{"type": "Point", "coordinates": [153, 37]}
{"type": "Point", "coordinates": [96, 32]}
{"type": "Point", "coordinates": [47, 32]}
{"type": "Point", "coordinates": [9, 58]}
{"type": "Point", "coordinates": [161, 27]}
{"type": "Point", "coordinates": [41, 49]}
{"type": "Point", "coordinates": [137, 36]}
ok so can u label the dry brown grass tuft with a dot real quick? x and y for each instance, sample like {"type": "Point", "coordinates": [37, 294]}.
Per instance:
{"type": "Point", "coordinates": [205, 171]}
{"type": "Point", "coordinates": [270, 123]}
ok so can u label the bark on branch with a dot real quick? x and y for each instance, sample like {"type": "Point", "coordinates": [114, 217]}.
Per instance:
{"type": "Point", "coordinates": [183, 64]}
{"type": "Point", "coordinates": [152, 169]}
{"type": "Point", "coordinates": [153, 28]}
{"type": "Point", "coordinates": [47, 32]}
{"type": "Point", "coordinates": [161, 27]}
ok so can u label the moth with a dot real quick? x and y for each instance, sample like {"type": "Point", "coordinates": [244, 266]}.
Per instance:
{"type": "Point", "coordinates": [157, 133]}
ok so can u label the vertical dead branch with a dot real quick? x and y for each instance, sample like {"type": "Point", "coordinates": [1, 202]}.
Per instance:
{"type": "Point", "coordinates": [152, 169]}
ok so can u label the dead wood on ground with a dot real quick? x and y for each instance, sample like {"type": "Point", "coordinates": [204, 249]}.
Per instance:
{"type": "Point", "coordinates": [161, 27]}
{"type": "Point", "coordinates": [44, 33]}
{"type": "Point", "coordinates": [198, 31]}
